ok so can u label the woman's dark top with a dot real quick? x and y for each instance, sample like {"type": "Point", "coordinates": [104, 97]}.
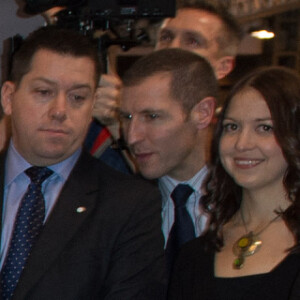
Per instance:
{"type": "Point", "coordinates": [193, 278]}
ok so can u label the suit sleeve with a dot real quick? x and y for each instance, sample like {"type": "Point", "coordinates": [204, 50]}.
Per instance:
{"type": "Point", "coordinates": [137, 269]}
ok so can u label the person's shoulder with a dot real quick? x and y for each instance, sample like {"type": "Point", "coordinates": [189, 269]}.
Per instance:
{"type": "Point", "coordinates": [118, 181]}
{"type": "Point", "coordinates": [108, 173]}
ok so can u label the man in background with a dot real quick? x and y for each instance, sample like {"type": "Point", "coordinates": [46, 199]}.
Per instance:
{"type": "Point", "coordinates": [205, 28]}
{"type": "Point", "coordinates": [71, 228]}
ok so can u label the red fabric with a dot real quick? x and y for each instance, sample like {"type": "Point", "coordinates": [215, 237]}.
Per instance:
{"type": "Point", "coordinates": [101, 138]}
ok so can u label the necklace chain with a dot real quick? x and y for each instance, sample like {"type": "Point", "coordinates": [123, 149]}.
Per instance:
{"type": "Point", "coordinates": [249, 243]}
{"type": "Point", "coordinates": [264, 227]}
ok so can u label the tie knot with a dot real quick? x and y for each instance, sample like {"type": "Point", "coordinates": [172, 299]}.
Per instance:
{"type": "Point", "coordinates": [38, 174]}
{"type": "Point", "coordinates": [180, 194]}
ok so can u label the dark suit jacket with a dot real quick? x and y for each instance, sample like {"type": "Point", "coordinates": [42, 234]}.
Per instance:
{"type": "Point", "coordinates": [295, 292]}
{"type": "Point", "coordinates": [112, 250]}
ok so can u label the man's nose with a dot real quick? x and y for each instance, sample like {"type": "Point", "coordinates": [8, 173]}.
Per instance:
{"type": "Point", "coordinates": [175, 43]}
{"type": "Point", "coordinates": [58, 108]}
{"type": "Point", "coordinates": [133, 132]}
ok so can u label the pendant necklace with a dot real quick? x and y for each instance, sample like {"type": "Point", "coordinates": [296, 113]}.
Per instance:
{"type": "Point", "coordinates": [248, 244]}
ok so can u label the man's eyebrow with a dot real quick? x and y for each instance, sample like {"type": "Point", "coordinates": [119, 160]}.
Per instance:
{"type": "Point", "coordinates": [166, 30]}
{"type": "Point", "coordinates": [45, 80]}
{"type": "Point", "coordinates": [73, 87]}
{"type": "Point", "coordinates": [144, 111]}
{"type": "Point", "coordinates": [123, 112]}
{"type": "Point", "coordinates": [151, 110]}
{"type": "Point", "coordinates": [81, 86]}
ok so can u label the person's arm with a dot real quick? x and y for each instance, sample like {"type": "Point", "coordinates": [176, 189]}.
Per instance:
{"type": "Point", "coordinates": [107, 100]}
{"type": "Point", "coordinates": [137, 269]}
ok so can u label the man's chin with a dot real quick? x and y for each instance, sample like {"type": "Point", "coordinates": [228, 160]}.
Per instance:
{"type": "Point", "coordinates": [50, 156]}
{"type": "Point", "coordinates": [150, 174]}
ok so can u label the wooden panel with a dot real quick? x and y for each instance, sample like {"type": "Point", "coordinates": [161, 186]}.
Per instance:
{"type": "Point", "coordinates": [247, 10]}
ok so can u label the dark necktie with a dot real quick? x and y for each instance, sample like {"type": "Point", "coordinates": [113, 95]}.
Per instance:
{"type": "Point", "coordinates": [28, 224]}
{"type": "Point", "coordinates": [183, 228]}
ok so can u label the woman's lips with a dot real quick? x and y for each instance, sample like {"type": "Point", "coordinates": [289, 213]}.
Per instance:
{"type": "Point", "coordinates": [246, 163]}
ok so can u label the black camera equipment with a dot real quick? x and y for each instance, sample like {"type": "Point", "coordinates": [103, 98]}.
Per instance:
{"type": "Point", "coordinates": [109, 8]}
{"type": "Point", "coordinates": [116, 20]}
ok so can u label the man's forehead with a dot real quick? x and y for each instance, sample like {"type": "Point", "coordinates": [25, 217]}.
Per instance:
{"type": "Point", "coordinates": [161, 78]}
{"type": "Point", "coordinates": [193, 19]}
{"type": "Point", "coordinates": [151, 93]}
{"type": "Point", "coordinates": [39, 56]}
{"type": "Point", "coordinates": [47, 65]}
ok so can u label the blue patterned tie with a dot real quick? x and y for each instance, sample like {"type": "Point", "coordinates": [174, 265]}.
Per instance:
{"type": "Point", "coordinates": [183, 228]}
{"type": "Point", "coordinates": [28, 224]}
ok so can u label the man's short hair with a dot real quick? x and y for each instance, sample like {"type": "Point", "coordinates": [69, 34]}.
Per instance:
{"type": "Point", "coordinates": [58, 40]}
{"type": "Point", "coordinates": [192, 77]}
{"type": "Point", "coordinates": [231, 34]}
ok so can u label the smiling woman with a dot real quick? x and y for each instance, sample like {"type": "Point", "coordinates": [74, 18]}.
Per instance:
{"type": "Point", "coordinates": [248, 148]}
{"type": "Point", "coordinates": [251, 249]}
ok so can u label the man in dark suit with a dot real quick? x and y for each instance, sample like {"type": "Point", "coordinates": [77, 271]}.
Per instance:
{"type": "Point", "coordinates": [167, 104]}
{"type": "Point", "coordinates": [71, 228]}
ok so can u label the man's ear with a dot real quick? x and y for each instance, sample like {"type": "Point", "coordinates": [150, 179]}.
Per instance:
{"type": "Point", "coordinates": [224, 66]}
{"type": "Point", "coordinates": [203, 112]}
{"type": "Point", "coordinates": [7, 94]}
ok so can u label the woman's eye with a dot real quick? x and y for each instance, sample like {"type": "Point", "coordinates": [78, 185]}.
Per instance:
{"type": "Point", "coordinates": [229, 127]}
{"type": "Point", "coordinates": [265, 128]}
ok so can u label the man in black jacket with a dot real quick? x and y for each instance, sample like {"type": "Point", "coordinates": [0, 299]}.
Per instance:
{"type": "Point", "coordinates": [81, 230]}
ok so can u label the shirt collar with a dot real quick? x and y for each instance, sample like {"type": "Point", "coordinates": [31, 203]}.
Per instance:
{"type": "Point", "coordinates": [16, 164]}
{"type": "Point", "coordinates": [167, 184]}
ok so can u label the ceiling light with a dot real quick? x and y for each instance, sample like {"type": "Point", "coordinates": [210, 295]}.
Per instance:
{"type": "Point", "coordinates": [263, 34]}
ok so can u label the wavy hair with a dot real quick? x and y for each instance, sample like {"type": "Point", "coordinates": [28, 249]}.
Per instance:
{"type": "Point", "coordinates": [280, 88]}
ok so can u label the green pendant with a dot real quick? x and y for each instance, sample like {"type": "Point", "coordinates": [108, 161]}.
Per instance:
{"type": "Point", "coordinates": [245, 246]}
{"type": "Point", "coordinates": [238, 262]}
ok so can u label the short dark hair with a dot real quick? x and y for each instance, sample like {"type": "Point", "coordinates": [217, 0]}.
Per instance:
{"type": "Point", "coordinates": [61, 41]}
{"type": "Point", "coordinates": [230, 36]}
{"type": "Point", "coordinates": [192, 77]}
{"type": "Point", "coordinates": [280, 88]}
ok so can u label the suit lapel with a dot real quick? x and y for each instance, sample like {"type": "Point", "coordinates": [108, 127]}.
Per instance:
{"type": "Point", "coordinates": [74, 205]}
